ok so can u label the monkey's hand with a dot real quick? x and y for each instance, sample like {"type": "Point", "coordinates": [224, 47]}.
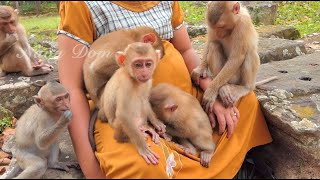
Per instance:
{"type": "Point", "coordinates": [148, 155]}
{"type": "Point", "coordinates": [148, 130]}
{"type": "Point", "coordinates": [67, 115]}
{"type": "Point", "coordinates": [209, 97]}
{"type": "Point", "coordinates": [160, 127]}
{"type": "Point", "coordinates": [166, 136]}
{"type": "Point", "coordinates": [227, 97]}
{"type": "Point", "coordinates": [11, 38]}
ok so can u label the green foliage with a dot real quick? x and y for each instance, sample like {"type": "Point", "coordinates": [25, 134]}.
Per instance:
{"type": "Point", "coordinates": [6, 120]}
{"type": "Point", "coordinates": [45, 26]}
{"type": "Point", "coordinates": [194, 13]}
{"type": "Point", "coordinates": [303, 15]}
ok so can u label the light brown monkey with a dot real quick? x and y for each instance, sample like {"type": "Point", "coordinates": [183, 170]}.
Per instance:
{"type": "Point", "coordinates": [37, 133]}
{"type": "Point", "coordinates": [100, 63]}
{"type": "Point", "coordinates": [231, 54]}
{"type": "Point", "coordinates": [125, 100]}
{"type": "Point", "coordinates": [16, 54]}
{"type": "Point", "coordinates": [184, 119]}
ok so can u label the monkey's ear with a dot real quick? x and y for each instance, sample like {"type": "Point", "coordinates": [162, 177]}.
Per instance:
{"type": "Point", "coordinates": [236, 8]}
{"type": "Point", "coordinates": [38, 101]}
{"type": "Point", "coordinates": [16, 11]}
{"type": "Point", "coordinates": [149, 38]}
{"type": "Point", "coordinates": [171, 107]}
{"type": "Point", "coordinates": [158, 52]}
{"type": "Point", "coordinates": [120, 57]}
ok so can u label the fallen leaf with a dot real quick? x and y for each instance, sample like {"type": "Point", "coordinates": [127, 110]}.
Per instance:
{"type": "Point", "coordinates": [4, 154]}
{"type": "Point", "coordinates": [9, 131]}
{"type": "Point", "coordinates": [14, 121]}
{"type": "Point", "coordinates": [2, 169]}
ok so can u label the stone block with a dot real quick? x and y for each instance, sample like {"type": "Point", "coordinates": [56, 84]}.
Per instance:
{"type": "Point", "coordinates": [278, 31]}
{"type": "Point", "coordinates": [262, 12]}
{"type": "Point", "coordinates": [291, 106]}
{"type": "Point", "coordinates": [16, 91]}
{"type": "Point", "coordinates": [276, 49]}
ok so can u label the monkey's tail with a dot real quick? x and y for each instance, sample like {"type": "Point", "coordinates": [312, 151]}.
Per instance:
{"type": "Point", "coordinates": [266, 80]}
{"type": "Point", "coordinates": [91, 128]}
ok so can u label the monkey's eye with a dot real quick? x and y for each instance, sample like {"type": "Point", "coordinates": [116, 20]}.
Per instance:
{"type": "Point", "coordinates": [138, 65]}
{"type": "Point", "coordinates": [58, 99]}
{"type": "Point", "coordinates": [148, 64]}
{"type": "Point", "coordinates": [66, 96]}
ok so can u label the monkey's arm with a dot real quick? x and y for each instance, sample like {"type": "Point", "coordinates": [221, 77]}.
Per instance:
{"type": "Point", "coordinates": [232, 65]}
{"type": "Point", "coordinates": [47, 136]}
{"type": "Point", "coordinates": [7, 43]}
{"type": "Point", "coordinates": [200, 70]}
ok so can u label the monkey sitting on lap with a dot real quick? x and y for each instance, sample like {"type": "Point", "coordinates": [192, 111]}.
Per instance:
{"type": "Point", "coordinates": [37, 133]}
{"type": "Point", "coordinates": [125, 99]}
{"type": "Point", "coordinates": [231, 54]}
{"type": "Point", "coordinates": [184, 119]}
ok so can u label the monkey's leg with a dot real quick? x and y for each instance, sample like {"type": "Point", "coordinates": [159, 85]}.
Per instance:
{"type": "Point", "coordinates": [2, 73]}
{"type": "Point", "coordinates": [187, 146]}
{"type": "Point", "coordinates": [33, 166]}
{"type": "Point", "coordinates": [136, 137]}
{"type": "Point", "coordinates": [205, 143]}
{"type": "Point", "coordinates": [53, 159]}
{"type": "Point", "coordinates": [119, 135]}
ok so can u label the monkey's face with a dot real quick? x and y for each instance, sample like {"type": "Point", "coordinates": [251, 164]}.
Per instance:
{"type": "Point", "coordinates": [8, 26]}
{"type": "Point", "coordinates": [8, 20]}
{"type": "Point", "coordinates": [61, 102]}
{"type": "Point", "coordinates": [142, 69]}
{"type": "Point", "coordinates": [221, 18]}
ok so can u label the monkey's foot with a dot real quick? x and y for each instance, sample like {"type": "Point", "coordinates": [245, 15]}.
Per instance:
{"type": "Point", "coordinates": [205, 158]}
{"type": "Point", "coordinates": [209, 98]}
{"type": "Point", "coordinates": [64, 166]}
{"type": "Point", "coordinates": [148, 130]}
{"type": "Point", "coordinates": [2, 74]}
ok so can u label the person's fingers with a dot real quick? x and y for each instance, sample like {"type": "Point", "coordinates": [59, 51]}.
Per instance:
{"type": "Point", "coordinates": [212, 120]}
{"type": "Point", "coordinates": [222, 123]}
{"type": "Point", "coordinates": [230, 125]}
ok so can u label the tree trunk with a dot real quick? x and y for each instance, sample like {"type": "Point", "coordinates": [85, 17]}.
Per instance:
{"type": "Point", "coordinates": [38, 6]}
{"type": "Point", "coordinates": [58, 5]}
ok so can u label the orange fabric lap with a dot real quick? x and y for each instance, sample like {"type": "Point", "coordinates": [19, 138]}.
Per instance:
{"type": "Point", "coordinates": [121, 160]}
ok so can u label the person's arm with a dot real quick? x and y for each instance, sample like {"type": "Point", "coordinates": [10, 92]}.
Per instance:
{"type": "Point", "coordinates": [71, 76]}
{"type": "Point", "coordinates": [225, 116]}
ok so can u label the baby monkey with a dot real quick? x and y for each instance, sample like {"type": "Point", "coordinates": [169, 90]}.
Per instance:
{"type": "Point", "coordinates": [125, 100]}
{"type": "Point", "coordinates": [185, 120]}
{"type": "Point", "coordinates": [37, 133]}
{"type": "Point", "coordinates": [231, 55]}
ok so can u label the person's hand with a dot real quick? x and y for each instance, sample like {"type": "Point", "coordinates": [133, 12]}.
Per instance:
{"type": "Point", "coordinates": [227, 118]}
